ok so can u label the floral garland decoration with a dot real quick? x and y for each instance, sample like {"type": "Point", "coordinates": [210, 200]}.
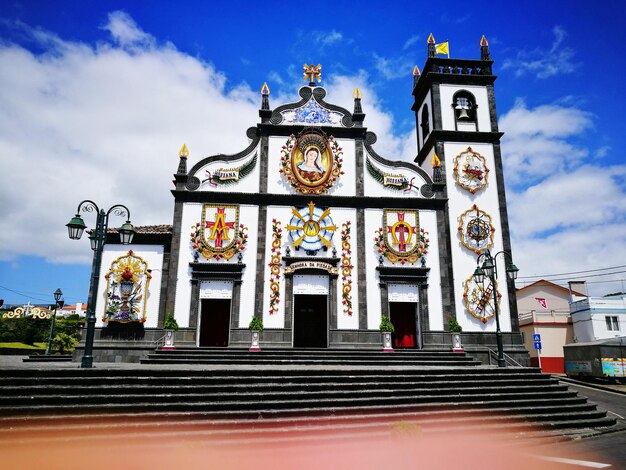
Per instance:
{"type": "Point", "coordinates": [199, 245]}
{"type": "Point", "coordinates": [346, 269]}
{"type": "Point", "coordinates": [383, 249]}
{"type": "Point", "coordinates": [275, 265]}
{"type": "Point", "coordinates": [335, 172]}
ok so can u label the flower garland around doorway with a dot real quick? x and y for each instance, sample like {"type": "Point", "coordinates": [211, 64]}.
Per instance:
{"type": "Point", "coordinates": [346, 268]}
{"type": "Point", "coordinates": [275, 265]}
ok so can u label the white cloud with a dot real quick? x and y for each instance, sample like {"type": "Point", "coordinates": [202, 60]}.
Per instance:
{"type": "Point", "coordinates": [543, 62]}
{"type": "Point", "coordinates": [566, 213]}
{"type": "Point", "coordinates": [393, 67]}
{"type": "Point", "coordinates": [105, 122]}
{"type": "Point", "coordinates": [537, 141]}
{"type": "Point", "coordinates": [125, 31]}
{"type": "Point", "coordinates": [410, 42]}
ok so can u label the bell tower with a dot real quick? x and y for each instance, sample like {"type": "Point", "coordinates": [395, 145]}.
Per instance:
{"type": "Point", "coordinates": [458, 144]}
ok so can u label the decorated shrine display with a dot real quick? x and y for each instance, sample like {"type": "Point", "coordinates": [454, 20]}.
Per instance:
{"type": "Point", "coordinates": [470, 170]}
{"type": "Point", "coordinates": [476, 230]}
{"type": "Point", "coordinates": [127, 289]}
{"type": "Point", "coordinates": [479, 298]}
{"type": "Point", "coordinates": [219, 234]}
{"type": "Point", "coordinates": [401, 239]}
{"type": "Point", "coordinates": [311, 228]}
{"type": "Point", "coordinates": [311, 162]}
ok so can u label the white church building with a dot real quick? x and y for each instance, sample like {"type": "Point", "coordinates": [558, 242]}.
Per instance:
{"type": "Point", "coordinates": [315, 232]}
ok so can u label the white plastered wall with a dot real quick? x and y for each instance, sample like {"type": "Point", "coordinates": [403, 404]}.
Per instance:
{"type": "Point", "coordinates": [192, 214]}
{"type": "Point", "coordinates": [464, 260]}
{"type": "Point", "coordinates": [153, 256]}
{"type": "Point", "coordinates": [373, 188]}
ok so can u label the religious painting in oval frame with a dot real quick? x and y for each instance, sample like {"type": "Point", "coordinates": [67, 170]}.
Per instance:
{"type": "Point", "coordinates": [470, 170]}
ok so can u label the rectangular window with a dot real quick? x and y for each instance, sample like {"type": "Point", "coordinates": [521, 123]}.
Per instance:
{"type": "Point", "coordinates": [612, 323]}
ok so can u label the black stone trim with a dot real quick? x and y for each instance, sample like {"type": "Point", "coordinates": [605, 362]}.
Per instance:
{"type": "Point", "coordinates": [214, 272]}
{"type": "Point", "coordinates": [353, 202]}
{"type": "Point", "coordinates": [164, 239]}
{"type": "Point", "coordinates": [251, 133]}
{"type": "Point", "coordinates": [398, 275]}
{"type": "Point", "coordinates": [289, 129]}
{"type": "Point", "coordinates": [260, 260]}
{"type": "Point", "coordinates": [318, 94]}
{"type": "Point", "coordinates": [332, 290]}
{"type": "Point", "coordinates": [361, 270]}
{"type": "Point", "coordinates": [370, 139]}
{"type": "Point", "coordinates": [506, 235]}
{"type": "Point", "coordinates": [175, 249]}
{"type": "Point", "coordinates": [435, 95]}
{"type": "Point", "coordinates": [456, 136]}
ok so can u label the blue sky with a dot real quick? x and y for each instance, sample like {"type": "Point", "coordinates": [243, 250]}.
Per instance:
{"type": "Point", "coordinates": [96, 98]}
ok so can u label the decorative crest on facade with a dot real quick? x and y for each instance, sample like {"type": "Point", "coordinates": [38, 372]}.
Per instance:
{"type": "Point", "coordinates": [311, 162]}
{"type": "Point", "coordinates": [219, 234]}
{"type": "Point", "coordinates": [476, 230]}
{"type": "Point", "coordinates": [311, 228]}
{"type": "Point", "coordinates": [470, 170]}
{"type": "Point", "coordinates": [478, 298]}
{"type": "Point", "coordinates": [401, 239]}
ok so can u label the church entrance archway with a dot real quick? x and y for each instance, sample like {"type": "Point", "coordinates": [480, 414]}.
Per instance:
{"type": "Point", "coordinates": [310, 311]}
{"type": "Point", "coordinates": [214, 322]}
{"type": "Point", "coordinates": [310, 321]}
{"type": "Point", "coordinates": [403, 315]}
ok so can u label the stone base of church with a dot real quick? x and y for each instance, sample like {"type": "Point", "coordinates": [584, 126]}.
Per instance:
{"type": "Point", "coordinates": [481, 346]}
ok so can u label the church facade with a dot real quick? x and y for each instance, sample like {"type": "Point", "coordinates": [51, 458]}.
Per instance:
{"type": "Point", "coordinates": [312, 230]}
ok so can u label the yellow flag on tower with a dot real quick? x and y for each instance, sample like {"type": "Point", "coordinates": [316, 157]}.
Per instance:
{"type": "Point", "coordinates": [443, 49]}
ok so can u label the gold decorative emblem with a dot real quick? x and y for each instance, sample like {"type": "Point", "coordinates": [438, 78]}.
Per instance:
{"type": "Point", "coordinates": [311, 162]}
{"type": "Point", "coordinates": [311, 228]}
{"type": "Point", "coordinates": [219, 235]}
{"type": "Point", "coordinates": [127, 289]}
{"type": "Point", "coordinates": [478, 298]}
{"type": "Point", "coordinates": [400, 238]}
{"type": "Point", "coordinates": [470, 170]}
{"type": "Point", "coordinates": [312, 72]}
{"type": "Point", "coordinates": [476, 230]}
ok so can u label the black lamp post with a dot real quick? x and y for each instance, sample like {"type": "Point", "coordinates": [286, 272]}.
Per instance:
{"type": "Point", "coordinates": [490, 270]}
{"type": "Point", "coordinates": [97, 239]}
{"type": "Point", "coordinates": [58, 304]}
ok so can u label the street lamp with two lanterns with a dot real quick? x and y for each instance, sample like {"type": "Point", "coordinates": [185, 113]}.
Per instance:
{"type": "Point", "coordinates": [97, 239]}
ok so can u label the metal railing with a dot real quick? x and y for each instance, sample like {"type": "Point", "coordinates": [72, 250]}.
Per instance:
{"type": "Point", "coordinates": [159, 342]}
{"type": "Point", "coordinates": [508, 359]}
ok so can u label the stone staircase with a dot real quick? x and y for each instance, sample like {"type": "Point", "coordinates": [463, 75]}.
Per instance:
{"type": "Point", "coordinates": [293, 394]}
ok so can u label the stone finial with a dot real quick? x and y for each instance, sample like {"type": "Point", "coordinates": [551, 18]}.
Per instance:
{"type": "Point", "coordinates": [265, 100]}
{"type": "Point", "coordinates": [416, 75]}
{"type": "Point", "coordinates": [358, 115]}
{"type": "Point", "coordinates": [484, 49]}
{"type": "Point", "coordinates": [183, 153]}
{"type": "Point", "coordinates": [431, 46]}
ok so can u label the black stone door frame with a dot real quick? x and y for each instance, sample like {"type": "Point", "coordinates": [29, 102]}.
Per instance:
{"type": "Point", "coordinates": [332, 289]}
{"type": "Point", "coordinates": [395, 275]}
{"type": "Point", "coordinates": [215, 272]}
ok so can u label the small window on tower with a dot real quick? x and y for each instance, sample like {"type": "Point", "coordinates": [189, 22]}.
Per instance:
{"type": "Point", "coordinates": [425, 123]}
{"type": "Point", "coordinates": [464, 106]}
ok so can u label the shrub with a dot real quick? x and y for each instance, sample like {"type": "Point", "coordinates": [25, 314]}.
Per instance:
{"type": "Point", "coordinates": [170, 323]}
{"type": "Point", "coordinates": [453, 325]}
{"type": "Point", "coordinates": [386, 325]}
{"type": "Point", "coordinates": [63, 343]}
{"type": "Point", "coordinates": [256, 324]}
